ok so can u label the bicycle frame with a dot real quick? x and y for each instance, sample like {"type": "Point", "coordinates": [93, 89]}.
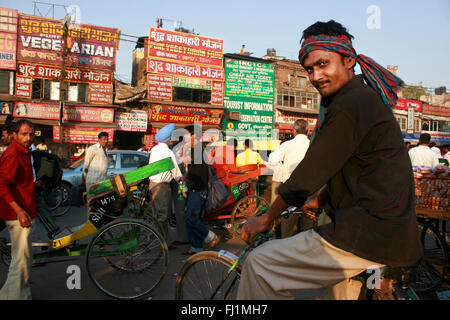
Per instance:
{"type": "Point", "coordinates": [104, 190]}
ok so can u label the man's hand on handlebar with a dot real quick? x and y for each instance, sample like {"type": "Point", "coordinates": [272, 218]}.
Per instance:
{"type": "Point", "coordinates": [253, 227]}
{"type": "Point", "coordinates": [261, 223]}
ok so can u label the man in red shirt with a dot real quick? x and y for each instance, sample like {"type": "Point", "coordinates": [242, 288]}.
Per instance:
{"type": "Point", "coordinates": [18, 208]}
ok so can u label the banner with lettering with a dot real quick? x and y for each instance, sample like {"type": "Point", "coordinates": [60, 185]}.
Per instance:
{"type": "Point", "coordinates": [41, 40]}
{"type": "Point", "coordinates": [186, 60]}
{"type": "Point", "coordinates": [405, 104]}
{"type": "Point", "coordinates": [185, 47]}
{"type": "Point", "coordinates": [134, 120]}
{"type": "Point", "coordinates": [249, 90]}
{"type": "Point", "coordinates": [159, 87]}
{"type": "Point", "coordinates": [177, 114]}
{"type": "Point", "coordinates": [100, 93]}
{"type": "Point", "coordinates": [80, 134]}
{"type": "Point", "coordinates": [185, 69]}
{"type": "Point", "coordinates": [29, 70]}
{"type": "Point", "coordinates": [36, 110]}
{"type": "Point", "coordinates": [8, 38]}
{"type": "Point", "coordinates": [23, 87]}
{"type": "Point", "coordinates": [88, 114]}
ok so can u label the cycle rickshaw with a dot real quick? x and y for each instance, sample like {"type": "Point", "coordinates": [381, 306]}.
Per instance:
{"type": "Point", "coordinates": [244, 201]}
{"type": "Point", "coordinates": [126, 257]}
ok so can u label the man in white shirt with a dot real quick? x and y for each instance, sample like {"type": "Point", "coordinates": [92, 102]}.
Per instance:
{"type": "Point", "coordinates": [446, 149]}
{"type": "Point", "coordinates": [160, 183]}
{"type": "Point", "coordinates": [96, 161]}
{"type": "Point", "coordinates": [422, 154]}
{"type": "Point", "coordinates": [283, 161]}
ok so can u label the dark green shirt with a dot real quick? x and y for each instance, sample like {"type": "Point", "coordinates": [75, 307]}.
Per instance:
{"type": "Point", "coordinates": [360, 155]}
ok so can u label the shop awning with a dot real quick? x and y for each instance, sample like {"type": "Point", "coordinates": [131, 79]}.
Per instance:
{"type": "Point", "coordinates": [44, 122]}
{"type": "Point", "coordinates": [90, 124]}
{"type": "Point", "coordinates": [298, 110]}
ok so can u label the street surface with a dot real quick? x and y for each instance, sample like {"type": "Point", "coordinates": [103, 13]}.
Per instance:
{"type": "Point", "coordinates": [49, 280]}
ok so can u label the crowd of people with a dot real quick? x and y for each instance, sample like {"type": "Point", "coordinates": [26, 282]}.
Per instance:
{"type": "Point", "coordinates": [355, 166]}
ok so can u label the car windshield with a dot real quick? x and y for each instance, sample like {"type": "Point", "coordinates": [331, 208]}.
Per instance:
{"type": "Point", "coordinates": [76, 163]}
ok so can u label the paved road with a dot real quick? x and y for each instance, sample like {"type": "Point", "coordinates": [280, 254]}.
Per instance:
{"type": "Point", "coordinates": [49, 281]}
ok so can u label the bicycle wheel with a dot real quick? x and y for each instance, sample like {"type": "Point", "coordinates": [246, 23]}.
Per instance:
{"type": "Point", "coordinates": [5, 253]}
{"type": "Point", "coordinates": [146, 214]}
{"type": "Point", "coordinates": [430, 270]}
{"type": "Point", "coordinates": [65, 202]}
{"type": "Point", "coordinates": [52, 198]}
{"type": "Point", "coordinates": [127, 259]}
{"type": "Point", "coordinates": [246, 208]}
{"type": "Point", "coordinates": [202, 274]}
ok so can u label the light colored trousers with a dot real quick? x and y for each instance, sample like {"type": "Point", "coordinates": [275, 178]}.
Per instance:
{"type": "Point", "coordinates": [17, 285]}
{"type": "Point", "coordinates": [304, 261]}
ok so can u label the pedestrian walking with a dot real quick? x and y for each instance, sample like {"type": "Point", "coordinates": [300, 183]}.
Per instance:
{"type": "Point", "coordinates": [358, 152]}
{"type": "Point", "coordinates": [19, 208]}
{"type": "Point", "coordinates": [283, 161]}
{"type": "Point", "coordinates": [96, 161]}
{"type": "Point", "coordinates": [196, 180]}
{"type": "Point", "coordinates": [160, 189]}
{"type": "Point", "coordinates": [422, 155]}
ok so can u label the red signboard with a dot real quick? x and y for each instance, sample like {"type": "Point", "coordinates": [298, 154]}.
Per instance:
{"type": "Point", "coordinates": [176, 114]}
{"type": "Point", "coordinates": [36, 110]}
{"type": "Point", "coordinates": [8, 38]}
{"type": "Point", "coordinates": [436, 110]}
{"type": "Point", "coordinates": [26, 69]}
{"type": "Point", "coordinates": [23, 87]}
{"type": "Point", "coordinates": [79, 134]}
{"type": "Point", "coordinates": [185, 47]}
{"type": "Point", "coordinates": [185, 69]}
{"type": "Point", "coordinates": [100, 93]}
{"type": "Point", "coordinates": [405, 104]}
{"type": "Point", "coordinates": [41, 41]}
{"type": "Point", "coordinates": [217, 93]}
{"type": "Point", "coordinates": [88, 114]}
{"type": "Point", "coordinates": [159, 87]}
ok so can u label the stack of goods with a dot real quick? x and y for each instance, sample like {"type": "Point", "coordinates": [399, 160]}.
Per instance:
{"type": "Point", "coordinates": [432, 188]}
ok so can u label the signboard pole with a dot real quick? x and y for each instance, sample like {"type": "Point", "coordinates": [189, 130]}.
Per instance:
{"type": "Point", "coordinates": [62, 83]}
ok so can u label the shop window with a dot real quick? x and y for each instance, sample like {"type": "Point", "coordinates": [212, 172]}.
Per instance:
{"type": "Point", "coordinates": [77, 92]}
{"type": "Point", "coordinates": [425, 126]}
{"type": "Point", "coordinates": [36, 89]}
{"type": "Point", "coordinates": [132, 160]}
{"type": "Point", "coordinates": [298, 99]}
{"type": "Point", "coordinates": [403, 123]}
{"type": "Point", "coordinates": [4, 81]}
{"type": "Point", "coordinates": [301, 82]}
{"type": "Point", "coordinates": [191, 95]}
{"type": "Point", "coordinates": [112, 159]}
{"type": "Point", "coordinates": [45, 89]}
{"type": "Point", "coordinates": [416, 125]}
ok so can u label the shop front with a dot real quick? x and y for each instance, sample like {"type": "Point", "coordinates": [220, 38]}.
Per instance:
{"type": "Point", "coordinates": [210, 119]}
{"type": "Point", "coordinates": [131, 129]}
{"type": "Point", "coordinates": [80, 128]}
{"type": "Point", "coordinates": [285, 118]}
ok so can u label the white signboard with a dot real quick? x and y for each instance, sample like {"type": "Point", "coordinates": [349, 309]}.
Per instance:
{"type": "Point", "coordinates": [135, 120]}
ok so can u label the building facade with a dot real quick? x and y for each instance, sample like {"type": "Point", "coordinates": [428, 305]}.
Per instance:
{"type": "Point", "coordinates": [63, 81]}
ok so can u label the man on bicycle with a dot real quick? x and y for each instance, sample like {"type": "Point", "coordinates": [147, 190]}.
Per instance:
{"type": "Point", "coordinates": [357, 151]}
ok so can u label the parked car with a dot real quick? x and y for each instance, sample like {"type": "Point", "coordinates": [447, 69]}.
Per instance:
{"type": "Point", "coordinates": [119, 162]}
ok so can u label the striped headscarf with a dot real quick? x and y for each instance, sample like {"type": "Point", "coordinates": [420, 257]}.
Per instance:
{"type": "Point", "coordinates": [379, 78]}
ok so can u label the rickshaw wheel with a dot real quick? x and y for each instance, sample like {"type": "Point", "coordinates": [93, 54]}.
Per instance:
{"type": "Point", "coordinates": [127, 259]}
{"type": "Point", "coordinates": [245, 209]}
